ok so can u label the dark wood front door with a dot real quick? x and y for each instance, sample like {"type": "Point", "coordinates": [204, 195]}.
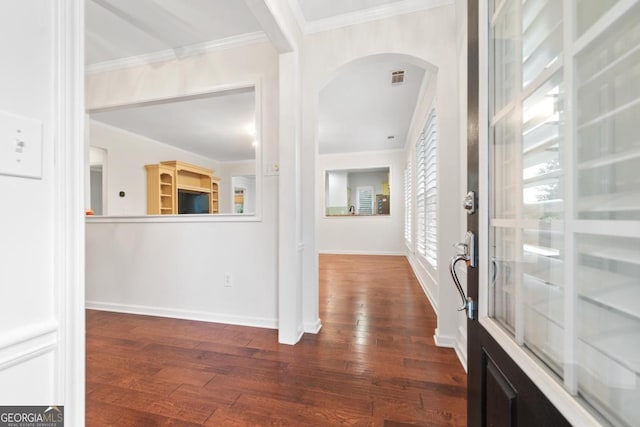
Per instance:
{"type": "Point", "coordinates": [499, 392]}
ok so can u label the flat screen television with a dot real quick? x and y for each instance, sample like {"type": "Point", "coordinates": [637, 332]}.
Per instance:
{"type": "Point", "coordinates": [192, 203]}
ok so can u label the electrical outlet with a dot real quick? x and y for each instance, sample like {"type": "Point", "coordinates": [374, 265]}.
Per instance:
{"type": "Point", "coordinates": [227, 280]}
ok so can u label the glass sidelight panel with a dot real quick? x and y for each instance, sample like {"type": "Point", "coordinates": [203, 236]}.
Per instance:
{"type": "Point", "coordinates": [608, 270]}
{"type": "Point", "coordinates": [505, 44]}
{"type": "Point", "coordinates": [505, 256]}
{"type": "Point", "coordinates": [607, 113]}
{"type": "Point", "coordinates": [564, 202]}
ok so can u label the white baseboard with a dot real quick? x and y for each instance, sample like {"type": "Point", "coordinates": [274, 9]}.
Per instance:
{"type": "Point", "coordinates": [423, 285]}
{"type": "Point", "coordinates": [461, 345]}
{"type": "Point", "coordinates": [461, 352]}
{"type": "Point", "coordinates": [23, 344]}
{"type": "Point", "coordinates": [447, 341]}
{"type": "Point", "coordinates": [258, 322]}
{"type": "Point", "coordinates": [313, 327]}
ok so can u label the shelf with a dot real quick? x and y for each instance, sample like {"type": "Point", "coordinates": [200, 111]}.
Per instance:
{"type": "Point", "coordinates": [167, 179]}
{"type": "Point", "coordinates": [194, 188]}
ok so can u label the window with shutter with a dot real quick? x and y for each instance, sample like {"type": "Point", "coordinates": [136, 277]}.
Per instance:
{"type": "Point", "coordinates": [427, 192]}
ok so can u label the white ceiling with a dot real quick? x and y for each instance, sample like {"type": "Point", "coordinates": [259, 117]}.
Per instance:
{"type": "Point", "coordinates": [314, 10]}
{"type": "Point", "coordinates": [117, 29]}
{"type": "Point", "coordinates": [323, 15]}
{"type": "Point", "coordinates": [215, 126]}
{"type": "Point", "coordinates": [358, 110]}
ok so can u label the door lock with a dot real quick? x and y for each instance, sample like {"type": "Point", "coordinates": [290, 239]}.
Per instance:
{"type": "Point", "coordinates": [469, 202]}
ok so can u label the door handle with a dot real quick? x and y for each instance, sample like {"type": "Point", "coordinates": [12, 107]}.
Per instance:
{"type": "Point", "coordinates": [469, 256]}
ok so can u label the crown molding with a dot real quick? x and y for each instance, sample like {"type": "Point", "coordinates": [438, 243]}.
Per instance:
{"type": "Point", "coordinates": [177, 53]}
{"type": "Point", "coordinates": [362, 16]}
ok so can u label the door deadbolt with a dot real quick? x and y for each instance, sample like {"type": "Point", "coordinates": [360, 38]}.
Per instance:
{"type": "Point", "coordinates": [469, 202]}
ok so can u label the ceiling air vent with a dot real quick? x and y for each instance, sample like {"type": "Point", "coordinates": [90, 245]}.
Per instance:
{"type": "Point", "coordinates": [397, 77]}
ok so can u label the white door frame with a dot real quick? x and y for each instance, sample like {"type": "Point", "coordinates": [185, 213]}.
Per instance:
{"type": "Point", "coordinates": [69, 182]}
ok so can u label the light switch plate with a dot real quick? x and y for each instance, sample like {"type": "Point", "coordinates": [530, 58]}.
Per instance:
{"type": "Point", "coordinates": [20, 146]}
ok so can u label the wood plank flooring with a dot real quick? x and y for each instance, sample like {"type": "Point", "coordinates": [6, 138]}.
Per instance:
{"type": "Point", "coordinates": [374, 363]}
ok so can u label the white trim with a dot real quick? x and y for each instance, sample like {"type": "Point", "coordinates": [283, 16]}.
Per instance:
{"type": "Point", "coordinates": [461, 348]}
{"type": "Point", "coordinates": [362, 16]}
{"type": "Point", "coordinates": [312, 327]}
{"type": "Point", "coordinates": [423, 285]}
{"type": "Point", "coordinates": [178, 53]}
{"type": "Point", "coordinates": [201, 316]}
{"type": "Point", "coordinates": [200, 93]}
{"type": "Point", "coordinates": [447, 341]}
{"type": "Point", "coordinates": [370, 152]}
{"type": "Point", "coordinates": [26, 343]}
{"type": "Point", "coordinates": [358, 252]}
{"type": "Point", "coordinates": [172, 218]}
{"type": "Point", "coordinates": [68, 196]}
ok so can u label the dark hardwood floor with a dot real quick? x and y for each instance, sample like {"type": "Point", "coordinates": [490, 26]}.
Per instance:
{"type": "Point", "coordinates": [374, 363]}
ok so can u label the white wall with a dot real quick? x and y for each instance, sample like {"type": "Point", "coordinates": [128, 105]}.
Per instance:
{"type": "Point", "coordinates": [426, 38]}
{"type": "Point", "coordinates": [29, 321]}
{"type": "Point", "coordinates": [177, 268]}
{"type": "Point", "coordinates": [336, 194]}
{"type": "Point", "coordinates": [437, 282]}
{"type": "Point", "coordinates": [381, 234]}
{"type": "Point", "coordinates": [126, 155]}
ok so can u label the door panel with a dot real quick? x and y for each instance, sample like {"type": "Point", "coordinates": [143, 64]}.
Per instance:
{"type": "Point", "coordinates": [500, 401]}
{"type": "Point", "coordinates": [562, 199]}
{"type": "Point", "coordinates": [500, 394]}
